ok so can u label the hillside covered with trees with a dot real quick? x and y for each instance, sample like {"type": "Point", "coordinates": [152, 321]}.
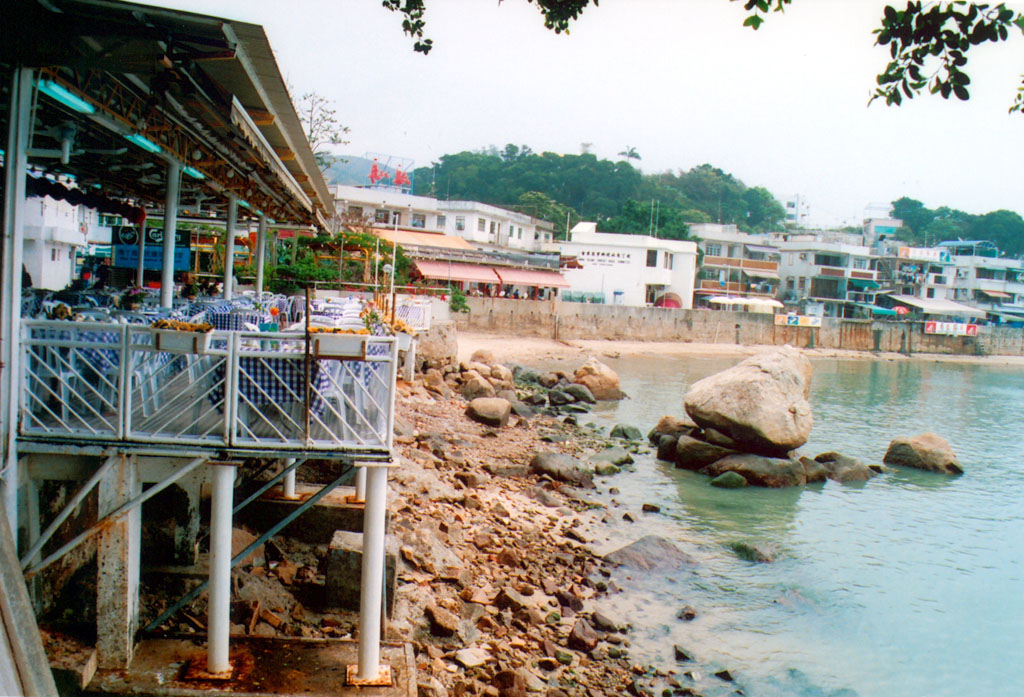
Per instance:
{"type": "Point", "coordinates": [926, 226]}
{"type": "Point", "coordinates": [618, 196]}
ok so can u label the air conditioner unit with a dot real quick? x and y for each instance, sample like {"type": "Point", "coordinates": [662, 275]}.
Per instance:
{"type": "Point", "coordinates": [803, 256]}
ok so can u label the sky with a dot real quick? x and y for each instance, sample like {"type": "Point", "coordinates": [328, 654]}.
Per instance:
{"type": "Point", "coordinates": [785, 107]}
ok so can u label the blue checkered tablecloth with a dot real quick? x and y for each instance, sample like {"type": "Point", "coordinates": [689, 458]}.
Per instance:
{"type": "Point", "coordinates": [99, 359]}
{"type": "Point", "coordinates": [236, 321]}
{"type": "Point", "coordinates": [276, 381]}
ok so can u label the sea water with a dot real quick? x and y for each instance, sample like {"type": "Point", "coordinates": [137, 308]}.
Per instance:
{"type": "Point", "coordinates": [909, 585]}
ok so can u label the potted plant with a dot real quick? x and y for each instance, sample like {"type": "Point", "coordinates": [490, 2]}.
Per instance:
{"type": "Point", "coordinates": [131, 298]}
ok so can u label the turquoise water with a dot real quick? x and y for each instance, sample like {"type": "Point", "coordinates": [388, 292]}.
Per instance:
{"type": "Point", "coordinates": [911, 584]}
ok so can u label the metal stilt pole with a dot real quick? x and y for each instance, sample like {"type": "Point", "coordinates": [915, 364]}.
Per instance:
{"type": "Point", "coordinates": [170, 229]}
{"type": "Point", "coordinates": [361, 485]}
{"type": "Point", "coordinates": [371, 594]}
{"type": "Point", "coordinates": [289, 480]}
{"type": "Point", "coordinates": [219, 621]}
{"type": "Point", "coordinates": [229, 247]}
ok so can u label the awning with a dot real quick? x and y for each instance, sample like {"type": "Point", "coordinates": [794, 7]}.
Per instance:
{"type": "Point", "coordinates": [934, 306]}
{"type": "Point", "coordinates": [445, 271]}
{"type": "Point", "coordinates": [876, 310]}
{"type": "Point", "coordinates": [863, 284]}
{"type": "Point", "coordinates": [761, 248]}
{"type": "Point", "coordinates": [531, 277]}
{"type": "Point", "coordinates": [765, 302]}
{"type": "Point", "coordinates": [724, 300]}
{"type": "Point", "coordinates": [761, 273]}
{"type": "Point", "coordinates": [996, 294]}
{"type": "Point", "coordinates": [407, 238]}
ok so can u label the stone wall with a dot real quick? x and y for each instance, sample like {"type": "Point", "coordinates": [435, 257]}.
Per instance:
{"type": "Point", "coordinates": [559, 320]}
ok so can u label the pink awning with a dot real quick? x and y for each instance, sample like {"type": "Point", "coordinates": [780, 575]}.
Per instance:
{"type": "Point", "coordinates": [531, 277]}
{"type": "Point", "coordinates": [445, 271]}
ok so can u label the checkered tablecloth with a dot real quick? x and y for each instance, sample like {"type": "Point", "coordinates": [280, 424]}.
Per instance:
{"type": "Point", "coordinates": [236, 321]}
{"type": "Point", "coordinates": [100, 359]}
{"type": "Point", "coordinates": [264, 381]}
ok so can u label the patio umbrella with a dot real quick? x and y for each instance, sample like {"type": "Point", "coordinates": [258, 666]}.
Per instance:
{"type": "Point", "coordinates": [669, 300]}
{"type": "Point", "coordinates": [901, 310]}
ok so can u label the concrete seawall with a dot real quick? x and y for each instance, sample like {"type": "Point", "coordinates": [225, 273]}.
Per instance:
{"type": "Point", "coordinates": [567, 321]}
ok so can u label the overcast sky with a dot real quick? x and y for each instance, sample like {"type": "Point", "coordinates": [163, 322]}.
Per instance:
{"type": "Point", "coordinates": [683, 82]}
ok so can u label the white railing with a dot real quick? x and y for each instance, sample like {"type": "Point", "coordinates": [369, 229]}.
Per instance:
{"type": "Point", "coordinates": [259, 391]}
{"type": "Point", "coordinates": [415, 313]}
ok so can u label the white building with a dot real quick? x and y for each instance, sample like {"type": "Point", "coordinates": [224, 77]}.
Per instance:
{"type": "Point", "coordinates": [479, 223]}
{"type": "Point", "coordinates": [55, 231]}
{"type": "Point", "coordinates": [634, 270]}
{"type": "Point", "coordinates": [985, 280]}
{"type": "Point", "coordinates": [797, 210]}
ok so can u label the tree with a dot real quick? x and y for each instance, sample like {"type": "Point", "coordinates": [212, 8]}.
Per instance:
{"type": "Point", "coordinates": [320, 123]}
{"type": "Point", "coordinates": [928, 43]}
{"type": "Point", "coordinates": [630, 153]}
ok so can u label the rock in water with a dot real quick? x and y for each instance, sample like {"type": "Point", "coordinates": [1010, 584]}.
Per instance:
{"type": "Point", "coordinates": [580, 393]}
{"type": "Point", "coordinates": [760, 403]}
{"type": "Point", "coordinates": [729, 480]}
{"type": "Point", "coordinates": [490, 411]}
{"type": "Point", "coordinates": [626, 432]}
{"type": "Point", "coordinates": [927, 451]}
{"type": "Point", "coordinates": [844, 469]}
{"type": "Point", "coordinates": [648, 553]}
{"type": "Point", "coordinates": [768, 472]}
{"type": "Point", "coordinates": [602, 381]}
{"type": "Point", "coordinates": [695, 455]}
{"type": "Point", "coordinates": [671, 426]}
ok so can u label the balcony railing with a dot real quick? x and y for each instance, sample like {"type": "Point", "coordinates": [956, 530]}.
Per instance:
{"type": "Point", "coordinates": [738, 263]}
{"type": "Point", "coordinates": [245, 391]}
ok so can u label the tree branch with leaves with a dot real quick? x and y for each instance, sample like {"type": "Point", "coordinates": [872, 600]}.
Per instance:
{"type": "Point", "coordinates": [320, 123]}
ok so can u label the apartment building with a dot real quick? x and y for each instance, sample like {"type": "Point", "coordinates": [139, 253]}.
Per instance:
{"type": "Point", "coordinates": [734, 262]}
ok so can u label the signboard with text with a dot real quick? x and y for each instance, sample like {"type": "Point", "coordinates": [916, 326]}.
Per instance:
{"type": "Point", "coordinates": [798, 320]}
{"type": "Point", "coordinates": [951, 328]}
{"type": "Point", "coordinates": [125, 240]}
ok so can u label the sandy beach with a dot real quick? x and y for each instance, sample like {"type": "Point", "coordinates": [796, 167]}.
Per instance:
{"type": "Point", "coordinates": [529, 350]}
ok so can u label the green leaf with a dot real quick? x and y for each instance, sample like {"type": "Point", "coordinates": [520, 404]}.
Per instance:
{"type": "Point", "coordinates": [753, 21]}
{"type": "Point", "coordinates": [961, 93]}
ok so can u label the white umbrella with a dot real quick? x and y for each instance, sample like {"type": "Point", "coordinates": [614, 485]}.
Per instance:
{"type": "Point", "coordinates": [723, 300]}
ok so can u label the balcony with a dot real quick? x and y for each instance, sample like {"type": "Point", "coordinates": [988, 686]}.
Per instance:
{"type": "Point", "coordinates": [245, 392]}
{"type": "Point", "coordinates": [738, 263]}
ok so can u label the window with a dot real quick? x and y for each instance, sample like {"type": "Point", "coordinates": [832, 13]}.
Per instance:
{"type": "Point", "coordinates": [419, 220]}
{"type": "Point", "coordinates": [54, 254]}
{"type": "Point", "coordinates": [382, 215]}
{"type": "Point", "coordinates": [460, 222]}
{"type": "Point", "coordinates": [493, 226]}
{"type": "Point", "coordinates": [355, 211]}
{"type": "Point", "coordinates": [860, 263]}
{"type": "Point", "coordinates": [481, 225]}
{"type": "Point", "coordinates": [441, 221]}
{"type": "Point", "coordinates": [930, 292]}
{"type": "Point", "coordinates": [520, 235]}
{"type": "Point", "coordinates": [668, 260]}
{"type": "Point", "coordinates": [828, 260]}
{"type": "Point", "coordinates": [536, 235]}
{"type": "Point", "coordinates": [713, 250]}
{"type": "Point", "coordinates": [652, 257]}
{"type": "Point", "coordinates": [802, 283]}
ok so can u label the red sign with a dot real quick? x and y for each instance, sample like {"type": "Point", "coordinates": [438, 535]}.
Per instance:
{"type": "Point", "coordinates": [951, 328]}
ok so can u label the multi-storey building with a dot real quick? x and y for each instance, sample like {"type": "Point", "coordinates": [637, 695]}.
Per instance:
{"type": "Point", "coordinates": [479, 223]}
{"type": "Point", "coordinates": [734, 263]}
{"type": "Point", "coordinates": [826, 269]}
{"type": "Point", "coordinates": [985, 280]}
{"type": "Point", "coordinates": [55, 233]}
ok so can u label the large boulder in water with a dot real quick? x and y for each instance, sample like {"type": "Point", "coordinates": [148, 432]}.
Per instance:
{"type": "Point", "coordinates": [927, 451]}
{"type": "Point", "coordinates": [649, 553]}
{"type": "Point", "coordinates": [760, 403]}
{"type": "Point", "coordinates": [844, 469]}
{"type": "Point", "coordinates": [602, 381]}
{"type": "Point", "coordinates": [768, 472]}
